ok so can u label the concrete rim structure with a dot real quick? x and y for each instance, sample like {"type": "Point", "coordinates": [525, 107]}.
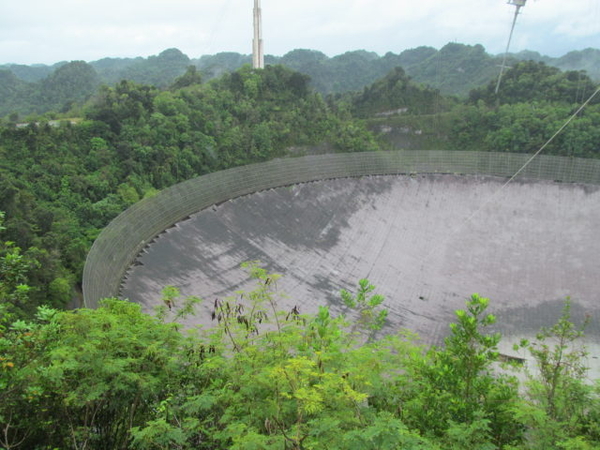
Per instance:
{"type": "Point", "coordinates": [125, 237]}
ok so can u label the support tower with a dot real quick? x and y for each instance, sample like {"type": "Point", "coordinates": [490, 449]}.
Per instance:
{"type": "Point", "coordinates": [258, 57]}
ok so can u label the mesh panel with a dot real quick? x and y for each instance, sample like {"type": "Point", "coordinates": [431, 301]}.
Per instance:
{"type": "Point", "coordinates": [121, 241]}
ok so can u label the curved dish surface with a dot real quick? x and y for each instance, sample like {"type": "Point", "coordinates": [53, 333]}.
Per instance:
{"type": "Point", "coordinates": [428, 228]}
{"type": "Point", "coordinates": [427, 242]}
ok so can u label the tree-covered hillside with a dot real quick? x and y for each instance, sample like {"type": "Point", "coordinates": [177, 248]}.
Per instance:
{"type": "Point", "coordinates": [455, 69]}
{"type": "Point", "coordinates": [60, 185]}
{"type": "Point", "coordinates": [587, 60]}
{"type": "Point", "coordinates": [532, 104]}
{"type": "Point", "coordinates": [159, 71]}
{"type": "Point", "coordinates": [68, 86]}
{"type": "Point", "coordinates": [396, 94]}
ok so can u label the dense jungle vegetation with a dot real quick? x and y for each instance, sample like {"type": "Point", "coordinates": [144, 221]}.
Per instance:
{"type": "Point", "coordinates": [455, 69]}
{"type": "Point", "coordinates": [116, 378]}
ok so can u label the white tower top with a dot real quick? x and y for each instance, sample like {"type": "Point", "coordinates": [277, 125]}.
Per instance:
{"type": "Point", "coordinates": [258, 56]}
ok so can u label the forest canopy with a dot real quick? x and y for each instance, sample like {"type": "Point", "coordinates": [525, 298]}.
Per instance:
{"type": "Point", "coordinates": [263, 378]}
{"type": "Point", "coordinates": [454, 70]}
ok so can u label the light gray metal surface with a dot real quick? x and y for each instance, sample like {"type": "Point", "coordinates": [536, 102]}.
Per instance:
{"type": "Point", "coordinates": [426, 240]}
{"type": "Point", "coordinates": [122, 240]}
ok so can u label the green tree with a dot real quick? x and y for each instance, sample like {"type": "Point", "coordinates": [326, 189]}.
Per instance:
{"type": "Point", "coordinates": [189, 78]}
{"type": "Point", "coordinates": [455, 394]}
{"type": "Point", "coordinates": [530, 81]}
{"type": "Point", "coordinates": [84, 380]}
{"type": "Point", "coordinates": [395, 92]}
{"type": "Point", "coordinates": [370, 318]}
{"type": "Point", "coordinates": [14, 278]}
{"type": "Point", "coordinates": [270, 379]}
{"type": "Point", "coordinates": [563, 408]}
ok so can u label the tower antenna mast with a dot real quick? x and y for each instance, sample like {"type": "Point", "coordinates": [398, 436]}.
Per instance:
{"type": "Point", "coordinates": [258, 56]}
{"type": "Point", "coordinates": [519, 4]}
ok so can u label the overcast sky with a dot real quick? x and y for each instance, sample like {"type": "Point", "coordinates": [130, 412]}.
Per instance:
{"type": "Point", "coordinates": [43, 31]}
